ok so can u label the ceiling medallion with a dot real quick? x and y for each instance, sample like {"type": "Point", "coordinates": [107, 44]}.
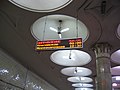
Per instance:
{"type": "Point", "coordinates": [41, 5]}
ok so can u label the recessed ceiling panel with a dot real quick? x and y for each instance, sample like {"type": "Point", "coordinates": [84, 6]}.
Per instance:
{"type": "Point", "coordinates": [115, 70]}
{"type": "Point", "coordinates": [41, 5]}
{"type": "Point", "coordinates": [70, 57]}
{"type": "Point", "coordinates": [80, 79]}
{"type": "Point", "coordinates": [83, 89]}
{"type": "Point", "coordinates": [82, 85]}
{"type": "Point", "coordinates": [76, 71]}
{"type": "Point", "coordinates": [115, 57]}
{"type": "Point", "coordinates": [54, 27]}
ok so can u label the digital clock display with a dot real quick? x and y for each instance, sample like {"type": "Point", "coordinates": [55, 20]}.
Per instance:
{"type": "Point", "coordinates": [59, 44]}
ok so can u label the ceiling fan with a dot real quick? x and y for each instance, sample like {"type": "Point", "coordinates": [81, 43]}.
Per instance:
{"type": "Point", "coordinates": [59, 30]}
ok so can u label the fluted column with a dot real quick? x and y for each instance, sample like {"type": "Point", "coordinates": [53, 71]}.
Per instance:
{"type": "Point", "coordinates": [102, 52]}
{"type": "Point", "coordinates": [96, 84]}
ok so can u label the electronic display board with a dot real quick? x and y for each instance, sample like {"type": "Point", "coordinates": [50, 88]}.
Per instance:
{"type": "Point", "coordinates": [59, 44]}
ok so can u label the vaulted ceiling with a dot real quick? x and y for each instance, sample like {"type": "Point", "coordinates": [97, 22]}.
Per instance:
{"type": "Point", "coordinates": [17, 40]}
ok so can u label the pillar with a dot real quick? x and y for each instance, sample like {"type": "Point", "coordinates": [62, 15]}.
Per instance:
{"type": "Point", "coordinates": [102, 52]}
{"type": "Point", "coordinates": [96, 83]}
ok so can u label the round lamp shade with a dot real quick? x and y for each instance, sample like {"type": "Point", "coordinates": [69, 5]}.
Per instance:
{"type": "Point", "coordinates": [55, 27]}
{"type": "Point", "coordinates": [116, 86]}
{"type": "Point", "coordinates": [82, 85]}
{"type": "Point", "coordinates": [118, 31]}
{"type": "Point", "coordinates": [83, 89]}
{"type": "Point", "coordinates": [115, 57]}
{"type": "Point", "coordinates": [115, 70]}
{"type": "Point", "coordinates": [70, 57]}
{"type": "Point", "coordinates": [76, 71]}
{"type": "Point", "coordinates": [116, 79]}
{"type": "Point", "coordinates": [41, 5]}
{"type": "Point", "coordinates": [80, 79]}
{"type": "Point", "coordinates": [116, 82]}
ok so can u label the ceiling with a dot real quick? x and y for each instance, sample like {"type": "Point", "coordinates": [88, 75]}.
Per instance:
{"type": "Point", "coordinates": [17, 40]}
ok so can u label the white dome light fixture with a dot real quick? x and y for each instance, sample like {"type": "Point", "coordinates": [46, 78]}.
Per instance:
{"type": "Point", "coordinates": [79, 79]}
{"type": "Point", "coordinates": [114, 84]}
{"type": "Point", "coordinates": [83, 89]}
{"type": "Point", "coordinates": [76, 71]}
{"type": "Point", "coordinates": [82, 85]}
{"type": "Point", "coordinates": [70, 57]}
{"type": "Point", "coordinates": [118, 31]}
{"type": "Point", "coordinates": [116, 79]}
{"type": "Point", "coordinates": [115, 57]}
{"type": "Point", "coordinates": [55, 27]}
{"type": "Point", "coordinates": [41, 5]}
{"type": "Point", "coordinates": [115, 70]}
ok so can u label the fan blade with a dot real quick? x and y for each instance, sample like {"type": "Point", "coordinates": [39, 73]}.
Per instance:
{"type": "Point", "coordinates": [64, 30]}
{"type": "Point", "coordinates": [53, 29]}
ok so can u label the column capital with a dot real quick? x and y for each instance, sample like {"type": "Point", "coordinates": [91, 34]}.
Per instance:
{"type": "Point", "coordinates": [102, 49]}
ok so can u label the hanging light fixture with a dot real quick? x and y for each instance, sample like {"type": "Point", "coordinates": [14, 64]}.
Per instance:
{"type": "Point", "coordinates": [83, 89]}
{"type": "Point", "coordinates": [80, 79]}
{"type": "Point", "coordinates": [70, 57]}
{"type": "Point", "coordinates": [116, 81]}
{"type": "Point", "coordinates": [115, 57]}
{"type": "Point", "coordinates": [55, 27]}
{"type": "Point", "coordinates": [76, 71]}
{"type": "Point", "coordinates": [41, 5]}
{"type": "Point", "coordinates": [118, 31]}
{"type": "Point", "coordinates": [115, 70]}
{"type": "Point", "coordinates": [82, 85]}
